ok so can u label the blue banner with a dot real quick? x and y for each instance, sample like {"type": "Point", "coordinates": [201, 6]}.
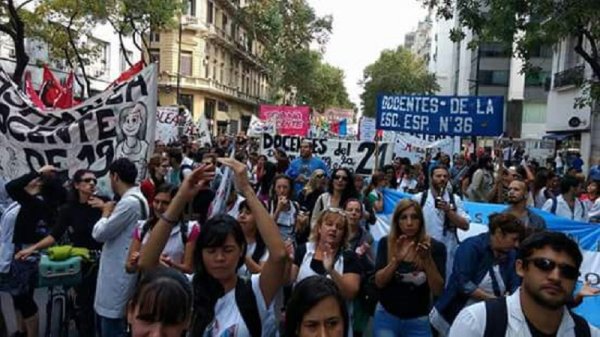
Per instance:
{"type": "Point", "coordinates": [586, 234]}
{"type": "Point", "coordinates": [441, 115]}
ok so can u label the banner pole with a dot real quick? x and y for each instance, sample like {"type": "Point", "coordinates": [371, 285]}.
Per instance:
{"type": "Point", "coordinates": [376, 166]}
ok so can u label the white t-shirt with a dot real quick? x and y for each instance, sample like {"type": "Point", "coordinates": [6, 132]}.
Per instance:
{"type": "Point", "coordinates": [228, 321]}
{"type": "Point", "coordinates": [243, 271]}
{"type": "Point", "coordinates": [487, 285]}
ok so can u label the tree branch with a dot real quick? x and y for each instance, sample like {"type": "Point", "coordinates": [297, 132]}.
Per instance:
{"type": "Point", "coordinates": [121, 42]}
{"type": "Point", "coordinates": [6, 29]}
{"type": "Point", "coordinates": [77, 54]}
{"type": "Point", "coordinates": [593, 62]}
{"type": "Point", "coordinates": [23, 4]}
{"type": "Point", "coordinates": [68, 58]}
{"type": "Point", "coordinates": [592, 41]}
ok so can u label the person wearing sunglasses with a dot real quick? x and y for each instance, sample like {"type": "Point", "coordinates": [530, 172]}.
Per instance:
{"type": "Point", "coordinates": [341, 188]}
{"type": "Point", "coordinates": [548, 263]}
{"type": "Point", "coordinates": [484, 268]}
{"type": "Point", "coordinates": [77, 218]}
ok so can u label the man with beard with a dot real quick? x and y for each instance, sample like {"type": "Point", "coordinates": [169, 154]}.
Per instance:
{"type": "Point", "coordinates": [517, 199]}
{"type": "Point", "coordinates": [443, 212]}
{"type": "Point", "coordinates": [549, 264]}
{"type": "Point", "coordinates": [301, 168]}
{"type": "Point", "coordinates": [484, 268]}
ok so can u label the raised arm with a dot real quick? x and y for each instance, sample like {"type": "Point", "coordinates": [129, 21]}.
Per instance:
{"type": "Point", "coordinates": [272, 275]}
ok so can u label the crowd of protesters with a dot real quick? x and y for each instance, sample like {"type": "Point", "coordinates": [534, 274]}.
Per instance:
{"type": "Point", "coordinates": [291, 253]}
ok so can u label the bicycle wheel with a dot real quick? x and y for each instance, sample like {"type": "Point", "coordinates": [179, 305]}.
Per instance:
{"type": "Point", "coordinates": [57, 315]}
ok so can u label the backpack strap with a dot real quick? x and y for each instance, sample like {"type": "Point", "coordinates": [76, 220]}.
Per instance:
{"type": "Point", "coordinates": [246, 303]}
{"type": "Point", "coordinates": [496, 317]}
{"type": "Point", "coordinates": [182, 168]}
{"type": "Point", "coordinates": [142, 207]}
{"type": "Point", "coordinates": [424, 198]}
{"type": "Point", "coordinates": [260, 249]}
{"type": "Point", "coordinates": [554, 205]}
{"type": "Point", "coordinates": [183, 228]}
{"type": "Point", "coordinates": [582, 328]}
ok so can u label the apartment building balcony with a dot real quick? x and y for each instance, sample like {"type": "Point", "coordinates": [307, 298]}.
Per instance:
{"type": "Point", "coordinates": [229, 5]}
{"type": "Point", "coordinates": [235, 45]}
{"type": "Point", "coordinates": [193, 23]}
{"type": "Point", "coordinates": [569, 78]}
{"type": "Point", "coordinates": [207, 85]}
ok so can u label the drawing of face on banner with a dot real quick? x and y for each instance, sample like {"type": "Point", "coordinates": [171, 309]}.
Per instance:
{"type": "Point", "coordinates": [131, 136]}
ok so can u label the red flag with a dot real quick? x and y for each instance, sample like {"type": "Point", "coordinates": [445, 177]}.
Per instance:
{"type": "Point", "coordinates": [33, 96]}
{"type": "Point", "coordinates": [379, 135]}
{"type": "Point", "coordinates": [51, 89]}
{"type": "Point", "coordinates": [65, 100]}
{"type": "Point", "coordinates": [129, 73]}
{"type": "Point", "coordinates": [335, 127]}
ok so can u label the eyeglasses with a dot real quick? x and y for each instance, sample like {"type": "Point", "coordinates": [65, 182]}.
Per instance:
{"type": "Point", "coordinates": [336, 211]}
{"type": "Point", "coordinates": [546, 265]}
{"type": "Point", "coordinates": [340, 177]}
{"type": "Point", "coordinates": [319, 176]}
{"type": "Point", "coordinates": [90, 180]}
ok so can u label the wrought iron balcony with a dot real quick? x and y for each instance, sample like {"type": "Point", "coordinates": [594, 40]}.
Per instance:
{"type": "Point", "coordinates": [570, 77]}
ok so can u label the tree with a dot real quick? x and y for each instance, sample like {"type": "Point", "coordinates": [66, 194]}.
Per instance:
{"type": "Point", "coordinates": [530, 24]}
{"type": "Point", "coordinates": [286, 28]}
{"type": "Point", "coordinates": [327, 89]}
{"type": "Point", "coordinates": [395, 71]}
{"type": "Point", "coordinates": [12, 25]}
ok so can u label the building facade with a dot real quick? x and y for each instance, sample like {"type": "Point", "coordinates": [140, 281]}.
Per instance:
{"type": "Point", "coordinates": [214, 65]}
{"type": "Point", "coordinates": [576, 128]}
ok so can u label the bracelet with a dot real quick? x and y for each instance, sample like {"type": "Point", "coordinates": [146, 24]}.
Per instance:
{"type": "Point", "coordinates": [167, 220]}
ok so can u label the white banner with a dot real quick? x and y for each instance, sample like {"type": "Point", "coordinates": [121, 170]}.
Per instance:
{"type": "Point", "coordinates": [119, 122]}
{"type": "Point", "coordinates": [167, 122]}
{"type": "Point", "coordinates": [357, 156]}
{"type": "Point", "coordinates": [204, 132]}
{"type": "Point", "coordinates": [414, 148]}
{"type": "Point", "coordinates": [257, 127]}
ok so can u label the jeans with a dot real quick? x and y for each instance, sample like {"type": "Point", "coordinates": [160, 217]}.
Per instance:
{"type": "Point", "coordinates": [112, 327]}
{"type": "Point", "coordinates": [388, 325]}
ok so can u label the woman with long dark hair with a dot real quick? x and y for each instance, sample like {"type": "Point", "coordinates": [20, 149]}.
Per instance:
{"type": "Point", "coordinates": [223, 302]}
{"type": "Point", "coordinates": [316, 306]}
{"type": "Point", "coordinates": [410, 269]}
{"type": "Point", "coordinates": [161, 305]}
{"type": "Point", "coordinates": [256, 251]}
{"type": "Point", "coordinates": [179, 250]}
{"type": "Point", "coordinates": [265, 173]}
{"type": "Point", "coordinates": [158, 166]}
{"type": "Point", "coordinates": [282, 206]}
{"type": "Point", "coordinates": [341, 188]}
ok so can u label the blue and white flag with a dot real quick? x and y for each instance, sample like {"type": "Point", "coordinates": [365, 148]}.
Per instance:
{"type": "Point", "coordinates": [585, 234]}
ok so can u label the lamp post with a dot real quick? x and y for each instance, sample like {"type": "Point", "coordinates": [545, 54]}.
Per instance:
{"type": "Point", "coordinates": [178, 91]}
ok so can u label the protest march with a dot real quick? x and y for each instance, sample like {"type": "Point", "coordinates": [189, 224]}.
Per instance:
{"type": "Point", "coordinates": [130, 215]}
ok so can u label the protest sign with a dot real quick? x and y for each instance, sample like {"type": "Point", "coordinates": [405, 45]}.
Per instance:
{"type": "Point", "coordinates": [586, 235]}
{"type": "Point", "coordinates": [258, 127]}
{"type": "Point", "coordinates": [441, 115]}
{"type": "Point", "coordinates": [119, 122]}
{"type": "Point", "coordinates": [357, 156]}
{"type": "Point", "coordinates": [367, 129]}
{"type": "Point", "coordinates": [168, 121]}
{"type": "Point", "coordinates": [290, 120]}
{"type": "Point", "coordinates": [414, 148]}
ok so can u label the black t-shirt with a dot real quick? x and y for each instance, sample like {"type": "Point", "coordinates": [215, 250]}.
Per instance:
{"type": "Point", "coordinates": [408, 285]}
{"type": "Point", "coordinates": [537, 333]}
{"type": "Point", "coordinates": [351, 263]}
{"type": "Point", "coordinates": [78, 221]}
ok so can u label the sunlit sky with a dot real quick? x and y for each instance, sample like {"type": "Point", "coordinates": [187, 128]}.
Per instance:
{"type": "Point", "coordinates": [362, 29]}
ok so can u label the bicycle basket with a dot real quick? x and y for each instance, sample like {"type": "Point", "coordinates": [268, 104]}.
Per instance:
{"type": "Point", "coordinates": [59, 273]}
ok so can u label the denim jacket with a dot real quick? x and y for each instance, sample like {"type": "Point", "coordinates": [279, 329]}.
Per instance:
{"type": "Point", "coordinates": [474, 259]}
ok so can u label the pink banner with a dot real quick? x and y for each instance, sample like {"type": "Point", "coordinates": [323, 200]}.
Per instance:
{"type": "Point", "coordinates": [290, 120]}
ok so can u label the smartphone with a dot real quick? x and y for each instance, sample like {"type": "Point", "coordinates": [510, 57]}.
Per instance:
{"type": "Point", "coordinates": [439, 201]}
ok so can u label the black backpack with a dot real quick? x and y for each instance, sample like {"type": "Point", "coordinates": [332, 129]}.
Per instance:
{"type": "Point", "coordinates": [260, 249]}
{"type": "Point", "coordinates": [246, 303]}
{"type": "Point", "coordinates": [555, 206]}
{"type": "Point", "coordinates": [496, 320]}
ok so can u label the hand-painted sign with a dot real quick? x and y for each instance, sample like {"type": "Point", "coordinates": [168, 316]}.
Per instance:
{"type": "Point", "coordinates": [441, 115]}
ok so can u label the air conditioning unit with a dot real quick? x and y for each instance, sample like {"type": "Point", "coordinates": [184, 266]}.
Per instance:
{"type": "Point", "coordinates": [98, 73]}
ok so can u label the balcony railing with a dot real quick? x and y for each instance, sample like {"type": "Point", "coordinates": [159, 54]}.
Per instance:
{"type": "Point", "coordinates": [209, 85]}
{"type": "Point", "coordinates": [570, 77]}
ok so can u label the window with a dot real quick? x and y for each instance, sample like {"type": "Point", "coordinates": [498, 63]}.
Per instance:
{"type": "Point", "coordinates": [494, 49]}
{"type": "Point", "coordinates": [125, 55]}
{"type": "Point", "coordinates": [154, 56]}
{"type": "Point", "coordinates": [154, 37]}
{"type": "Point", "coordinates": [221, 128]}
{"type": "Point", "coordinates": [223, 106]}
{"type": "Point", "coordinates": [233, 127]}
{"type": "Point", "coordinates": [187, 101]}
{"type": "Point", "coordinates": [493, 77]}
{"type": "Point", "coordinates": [536, 79]}
{"type": "Point", "coordinates": [225, 22]}
{"type": "Point", "coordinates": [245, 123]}
{"type": "Point", "coordinates": [541, 51]}
{"type": "Point", "coordinates": [191, 8]}
{"type": "Point", "coordinates": [209, 108]}
{"type": "Point", "coordinates": [210, 8]}
{"type": "Point", "coordinates": [186, 63]}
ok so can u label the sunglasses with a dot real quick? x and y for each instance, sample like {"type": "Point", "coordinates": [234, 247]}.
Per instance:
{"type": "Point", "coordinates": [339, 177]}
{"type": "Point", "coordinates": [546, 265]}
{"type": "Point", "coordinates": [90, 180]}
{"type": "Point", "coordinates": [319, 176]}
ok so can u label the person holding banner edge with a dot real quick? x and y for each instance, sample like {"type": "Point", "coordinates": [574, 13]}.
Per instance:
{"type": "Point", "coordinates": [302, 168]}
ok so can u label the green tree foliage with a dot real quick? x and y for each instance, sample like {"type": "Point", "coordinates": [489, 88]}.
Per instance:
{"type": "Point", "coordinates": [531, 24]}
{"type": "Point", "coordinates": [286, 28]}
{"type": "Point", "coordinates": [395, 71]}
